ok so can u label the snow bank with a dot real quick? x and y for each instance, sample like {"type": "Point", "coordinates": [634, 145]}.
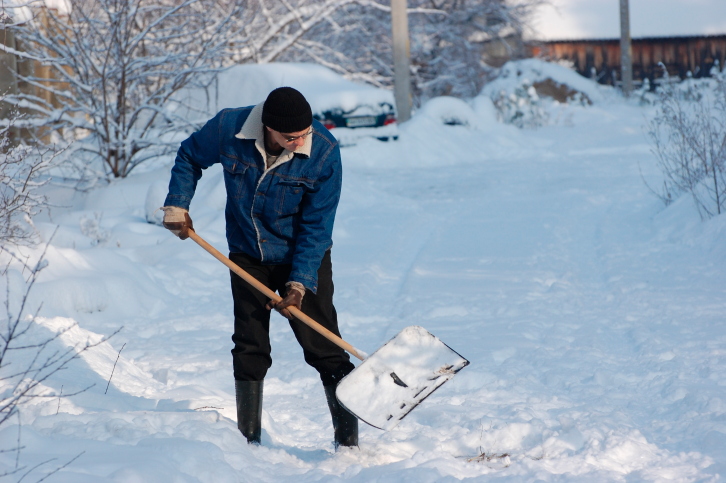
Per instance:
{"type": "Point", "coordinates": [532, 93]}
{"type": "Point", "coordinates": [535, 71]}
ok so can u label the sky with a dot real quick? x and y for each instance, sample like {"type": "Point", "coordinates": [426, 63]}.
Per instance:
{"type": "Point", "coordinates": [574, 19]}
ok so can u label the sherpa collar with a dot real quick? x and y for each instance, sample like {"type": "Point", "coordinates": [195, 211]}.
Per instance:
{"type": "Point", "coordinates": [254, 129]}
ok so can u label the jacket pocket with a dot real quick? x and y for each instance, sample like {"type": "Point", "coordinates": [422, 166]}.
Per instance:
{"type": "Point", "coordinates": [234, 176]}
{"type": "Point", "coordinates": [291, 194]}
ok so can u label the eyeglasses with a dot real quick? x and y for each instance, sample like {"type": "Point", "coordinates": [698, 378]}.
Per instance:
{"type": "Point", "coordinates": [295, 138]}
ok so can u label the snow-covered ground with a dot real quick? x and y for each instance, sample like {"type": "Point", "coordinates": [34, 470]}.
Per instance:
{"type": "Point", "coordinates": [593, 317]}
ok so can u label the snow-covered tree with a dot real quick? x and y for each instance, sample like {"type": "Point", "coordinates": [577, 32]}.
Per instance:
{"type": "Point", "coordinates": [21, 166]}
{"type": "Point", "coordinates": [268, 30]}
{"type": "Point", "coordinates": [448, 42]}
{"type": "Point", "coordinates": [107, 71]}
{"type": "Point", "coordinates": [111, 69]}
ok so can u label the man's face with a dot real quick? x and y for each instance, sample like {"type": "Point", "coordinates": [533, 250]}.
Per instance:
{"type": "Point", "coordinates": [292, 140]}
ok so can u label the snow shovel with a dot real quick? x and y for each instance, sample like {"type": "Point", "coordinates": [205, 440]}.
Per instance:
{"type": "Point", "coordinates": [389, 383]}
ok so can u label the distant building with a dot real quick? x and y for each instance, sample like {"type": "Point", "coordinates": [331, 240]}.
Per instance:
{"type": "Point", "coordinates": [600, 58]}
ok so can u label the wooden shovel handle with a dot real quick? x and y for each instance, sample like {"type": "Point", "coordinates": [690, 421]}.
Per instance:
{"type": "Point", "coordinates": [269, 293]}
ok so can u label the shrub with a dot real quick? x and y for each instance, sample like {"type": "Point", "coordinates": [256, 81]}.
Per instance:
{"type": "Point", "coordinates": [688, 138]}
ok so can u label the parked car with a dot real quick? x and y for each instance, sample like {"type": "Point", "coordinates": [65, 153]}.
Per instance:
{"type": "Point", "coordinates": [381, 118]}
{"type": "Point", "coordinates": [349, 109]}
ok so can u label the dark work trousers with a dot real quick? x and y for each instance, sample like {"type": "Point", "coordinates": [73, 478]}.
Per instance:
{"type": "Point", "coordinates": [251, 353]}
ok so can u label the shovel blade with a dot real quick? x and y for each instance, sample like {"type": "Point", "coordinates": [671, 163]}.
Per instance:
{"type": "Point", "coordinates": [392, 381]}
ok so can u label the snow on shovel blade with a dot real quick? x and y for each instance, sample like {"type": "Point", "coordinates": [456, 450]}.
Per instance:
{"type": "Point", "coordinates": [392, 381]}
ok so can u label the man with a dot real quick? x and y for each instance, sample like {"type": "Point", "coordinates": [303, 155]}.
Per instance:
{"type": "Point", "coordinates": [282, 173]}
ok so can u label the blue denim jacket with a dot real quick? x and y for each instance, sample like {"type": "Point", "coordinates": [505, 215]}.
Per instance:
{"type": "Point", "coordinates": [279, 215]}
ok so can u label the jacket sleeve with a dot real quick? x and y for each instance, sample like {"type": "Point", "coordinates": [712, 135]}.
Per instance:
{"type": "Point", "coordinates": [317, 215]}
{"type": "Point", "coordinates": [199, 151]}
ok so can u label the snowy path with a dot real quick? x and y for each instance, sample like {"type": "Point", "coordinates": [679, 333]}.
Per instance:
{"type": "Point", "coordinates": [578, 310]}
{"type": "Point", "coordinates": [593, 319]}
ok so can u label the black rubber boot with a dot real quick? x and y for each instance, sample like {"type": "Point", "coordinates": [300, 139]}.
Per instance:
{"type": "Point", "coordinates": [249, 409]}
{"type": "Point", "coordinates": [345, 424]}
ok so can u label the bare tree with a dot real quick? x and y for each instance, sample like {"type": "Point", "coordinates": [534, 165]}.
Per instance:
{"type": "Point", "coordinates": [448, 42]}
{"type": "Point", "coordinates": [688, 138]}
{"type": "Point", "coordinates": [27, 357]}
{"type": "Point", "coordinates": [21, 166]}
{"type": "Point", "coordinates": [115, 67]}
{"type": "Point", "coordinates": [107, 72]}
{"type": "Point", "coordinates": [265, 30]}
{"type": "Point", "coordinates": [450, 48]}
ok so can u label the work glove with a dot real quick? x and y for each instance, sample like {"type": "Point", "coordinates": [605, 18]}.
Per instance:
{"type": "Point", "coordinates": [293, 297]}
{"type": "Point", "coordinates": [177, 221]}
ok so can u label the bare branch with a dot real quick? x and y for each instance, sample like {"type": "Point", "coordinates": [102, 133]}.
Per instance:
{"type": "Point", "coordinates": [114, 367]}
{"type": "Point", "coordinates": [115, 66]}
{"type": "Point", "coordinates": [688, 138]}
{"type": "Point", "coordinates": [61, 467]}
{"type": "Point", "coordinates": [43, 356]}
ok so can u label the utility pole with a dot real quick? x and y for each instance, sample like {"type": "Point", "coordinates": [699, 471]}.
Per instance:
{"type": "Point", "coordinates": [626, 49]}
{"type": "Point", "coordinates": [401, 60]}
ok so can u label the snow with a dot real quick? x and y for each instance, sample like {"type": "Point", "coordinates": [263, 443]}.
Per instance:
{"type": "Point", "coordinates": [515, 73]}
{"type": "Point", "coordinates": [591, 314]}
{"type": "Point", "coordinates": [249, 84]}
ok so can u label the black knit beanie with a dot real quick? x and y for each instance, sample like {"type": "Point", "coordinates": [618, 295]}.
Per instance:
{"type": "Point", "coordinates": [286, 110]}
